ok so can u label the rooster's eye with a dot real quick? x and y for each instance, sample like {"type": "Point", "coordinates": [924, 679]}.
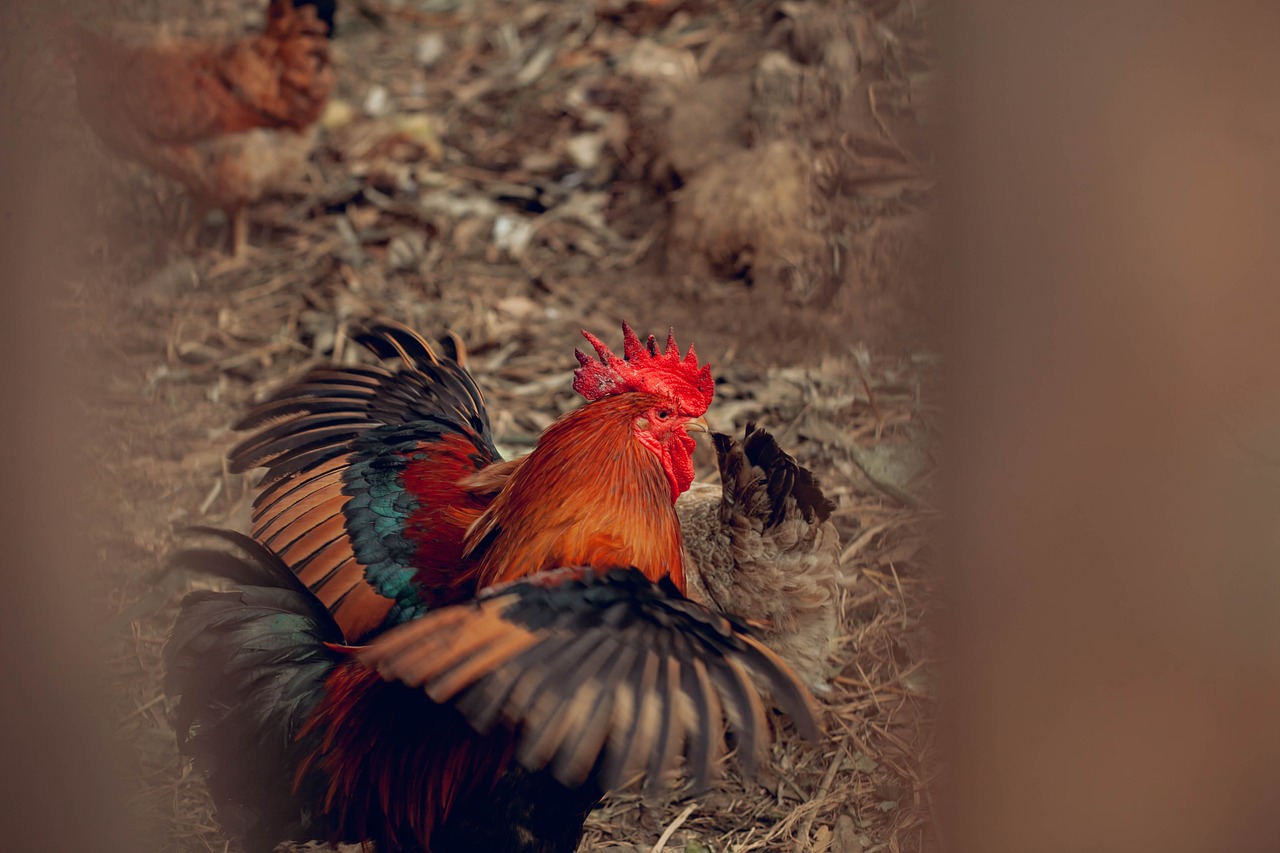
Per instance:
{"type": "Point", "coordinates": [663, 415]}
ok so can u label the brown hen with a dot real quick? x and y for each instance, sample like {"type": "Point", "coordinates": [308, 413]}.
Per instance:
{"type": "Point", "coordinates": [761, 548]}
{"type": "Point", "coordinates": [231, 122]}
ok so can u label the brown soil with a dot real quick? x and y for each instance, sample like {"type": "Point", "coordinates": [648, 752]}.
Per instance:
{"type": "Point", "coordinates": [753, 174]}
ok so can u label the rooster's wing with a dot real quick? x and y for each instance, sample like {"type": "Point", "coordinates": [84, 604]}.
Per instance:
{"type": "Point", "coordinates": [361, 496]}
{"type": "Point", "coordinates": [603, 675]}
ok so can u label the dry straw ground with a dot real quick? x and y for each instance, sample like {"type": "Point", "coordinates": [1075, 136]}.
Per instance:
{"type": "Point", "coordinates": [755, 174]}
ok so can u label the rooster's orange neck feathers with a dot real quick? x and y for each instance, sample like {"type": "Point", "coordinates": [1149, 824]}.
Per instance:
{"type": "Point", "coordinates": [590, 494]}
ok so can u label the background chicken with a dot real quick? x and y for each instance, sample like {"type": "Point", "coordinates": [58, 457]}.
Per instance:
{"type": "Point", "coordinates": [528, 644]}
{"type": "Point", "coordinates": [761, 548]}
{"type": "Point", "coordinates": [230, 122]}
{"type": "Point", "coordinates": [325, 11]}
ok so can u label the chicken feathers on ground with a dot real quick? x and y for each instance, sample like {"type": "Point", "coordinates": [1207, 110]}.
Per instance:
{"type": "Point", "coordinates": [523, 642]}
{"type": "Point", "coordinates": [762, 549]}
{"type": "Point", "coordinates": [230, 122]}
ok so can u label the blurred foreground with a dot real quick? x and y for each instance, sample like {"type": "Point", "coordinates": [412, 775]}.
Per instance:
{"type": "Point", "coordinates": [1115, 454]}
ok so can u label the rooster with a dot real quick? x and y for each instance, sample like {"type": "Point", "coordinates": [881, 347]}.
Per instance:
{"type": "Point", "coordinates": [230, 122]}
{"type": "Point", "coordinates": [431, 659]}
{"type": "Point", "coordinates": [761, 548]}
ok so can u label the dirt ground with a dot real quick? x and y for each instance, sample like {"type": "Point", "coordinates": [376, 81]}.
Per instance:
{"type": "Point", "coordinates": [755, 174]}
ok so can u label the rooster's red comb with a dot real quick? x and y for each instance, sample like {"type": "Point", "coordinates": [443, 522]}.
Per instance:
{"type": "Point", "coordinates": [643, 368]}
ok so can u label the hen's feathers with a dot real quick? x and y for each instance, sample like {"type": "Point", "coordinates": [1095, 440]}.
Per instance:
{"type": "Point", "coordinates": [231, 122]}
{"type": "Point", "coordinates": [325, 11]}
{"type": "Point", "coordinates": [175, 91]}
{"type": "Point", "coordinates": [761, 548]}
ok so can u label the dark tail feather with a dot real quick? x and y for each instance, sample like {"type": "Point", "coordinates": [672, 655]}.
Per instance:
{"type": "Point", "coordinates": [454, 348]}
{"type": "Point", "coordinates": [249, 665]}
{"type": "Point", "coordinates": [257, 565]}
{"type": "Point", "coordinates": [389, 339]}
{"type": "Point", "coordinates": [325, 10]}
{"type": "Point", "coordinates": [784, 477]}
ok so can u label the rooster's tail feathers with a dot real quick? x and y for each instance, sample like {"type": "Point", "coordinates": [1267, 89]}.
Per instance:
{"type": "Point", "coordinates": [248, 665]}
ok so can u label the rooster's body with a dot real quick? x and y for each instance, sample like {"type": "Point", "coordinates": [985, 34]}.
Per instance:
{"type": "Point", "coordinates": [528, 642]}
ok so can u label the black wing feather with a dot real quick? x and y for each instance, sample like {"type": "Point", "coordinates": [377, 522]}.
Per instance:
{"type": "Point", "coordinates": [655, 695]}
{"type": "Point", "coordinates": [350, 401]}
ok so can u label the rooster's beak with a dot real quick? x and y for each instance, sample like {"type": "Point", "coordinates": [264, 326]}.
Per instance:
{"type": "Point", "coordinates": [699, 425]}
